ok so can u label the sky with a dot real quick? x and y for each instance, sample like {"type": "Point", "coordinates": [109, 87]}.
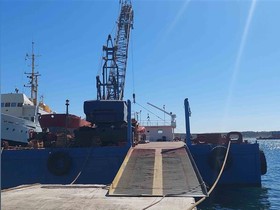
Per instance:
{"type": "Point", "coordinates": [223, 55]}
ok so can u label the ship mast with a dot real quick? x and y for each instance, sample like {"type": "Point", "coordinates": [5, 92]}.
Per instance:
{"type": "Point", "coordinates": [33, 76]}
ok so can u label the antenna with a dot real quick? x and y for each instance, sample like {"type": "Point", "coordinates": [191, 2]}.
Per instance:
{"type": "Point", "coordinates": [33, 76]}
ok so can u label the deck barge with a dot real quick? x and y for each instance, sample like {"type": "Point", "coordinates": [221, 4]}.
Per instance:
{"type": "Point", "coordinates": [159, 173]}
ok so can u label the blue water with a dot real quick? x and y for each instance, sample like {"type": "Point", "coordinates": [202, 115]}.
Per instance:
{"type": "Point", "coordinates": [265, 197]}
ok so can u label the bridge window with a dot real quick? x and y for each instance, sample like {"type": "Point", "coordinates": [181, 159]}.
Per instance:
{"type": "Point", "coordinates": [19, 104]}
{"type": "Point", "coordinates": [13, 104]}
{"type": "Point", "coordinates": [2, 104]}
{"type": "Point", "coordinates": [7, 104]}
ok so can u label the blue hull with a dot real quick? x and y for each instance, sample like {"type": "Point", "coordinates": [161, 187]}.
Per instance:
{"type": "Point", "coordinates": [243, 167]}
{"type": "Point", "coordinates": [98, 165]}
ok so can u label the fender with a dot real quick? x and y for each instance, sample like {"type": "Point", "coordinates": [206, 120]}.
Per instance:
{"type": "Point", "coordinates": [59, 163]}
{"type": "Point", "coordinates": [217, 156]}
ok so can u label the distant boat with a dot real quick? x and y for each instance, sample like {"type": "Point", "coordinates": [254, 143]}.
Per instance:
{"type": "Point", "coordinates": [68, 121]}
{"type": "Point", "coordinates": [58, 129]}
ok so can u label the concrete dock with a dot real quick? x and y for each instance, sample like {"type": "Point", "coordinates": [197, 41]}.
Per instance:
{"type": "Point", "coordinates": [86, 197]}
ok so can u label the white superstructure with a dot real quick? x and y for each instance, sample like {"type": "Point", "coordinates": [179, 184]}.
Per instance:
{"type": "Point", "coordinates": [19, 116]}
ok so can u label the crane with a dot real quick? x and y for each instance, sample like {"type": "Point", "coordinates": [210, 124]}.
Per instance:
{"type": "Point", "coordinates": [109, 107]}
{"type": "Point", "coordinates": [173, 116]}
{"type": "Point", "coordinates": [115, 60]}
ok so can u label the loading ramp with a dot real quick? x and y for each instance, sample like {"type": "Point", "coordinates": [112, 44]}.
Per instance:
{"type": "Point", "coordinates": [158, 169]}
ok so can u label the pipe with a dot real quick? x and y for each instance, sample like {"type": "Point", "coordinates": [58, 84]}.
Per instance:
{"type": "Point", "coordinates": [187, 119]}
{"type": "Point", "coordinates": [129, 125]}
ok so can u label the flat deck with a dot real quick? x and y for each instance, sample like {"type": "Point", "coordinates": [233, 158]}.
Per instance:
{"type": "Point", "coordinates": [157, 169]}
{"type": "Point", "coordinates": [87, 197]}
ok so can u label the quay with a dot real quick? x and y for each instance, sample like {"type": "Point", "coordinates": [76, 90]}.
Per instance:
{"type": "Point", "coordinates": [87, 197]}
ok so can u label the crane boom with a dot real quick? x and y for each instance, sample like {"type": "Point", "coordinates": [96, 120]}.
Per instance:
{"type": "Point", "coordinates": [109, 110]}
{"type": "Point", "coordinates": [169, 113]}
{"type": "Point", "coordinates": [115, 60]}
{"type": "Point", "coordinates": [173, 116]}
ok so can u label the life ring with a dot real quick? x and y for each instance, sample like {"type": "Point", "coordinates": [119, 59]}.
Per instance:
{"type": "Point", "coordinates": [263, 163]}
{"type": "Point", "coordinates": [59, 163]}
{"type": "Point", "coordinates": [217, 156]}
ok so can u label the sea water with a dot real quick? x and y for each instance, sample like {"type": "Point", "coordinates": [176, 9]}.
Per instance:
{"type": "Point", "coordinates": [247, 198]}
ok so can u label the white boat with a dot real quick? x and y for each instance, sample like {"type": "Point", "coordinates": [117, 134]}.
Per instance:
{"type": "Point", "coordinates": [19, 114]}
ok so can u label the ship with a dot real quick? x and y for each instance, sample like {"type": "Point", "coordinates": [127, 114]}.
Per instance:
{"type": "Point", "coordinates": [101, 151]}
{"type": "Point", "coordinates": [19, 117]}
{"type": "Point", "coordinates": [58, 129]}
{"type": "Point", "coordinates": [245, 163]}
{"type": "Point", "coordinates": [19, 113]}
{"type": "Point", "coordinates": [98, 150]}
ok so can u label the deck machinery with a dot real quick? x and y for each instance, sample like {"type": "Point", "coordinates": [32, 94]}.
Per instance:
{"type": "Point", "coordinates": [109, 113]}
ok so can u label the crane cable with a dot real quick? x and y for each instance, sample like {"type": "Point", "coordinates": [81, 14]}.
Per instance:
{"type": "Point", "coordinates": [215, 183]}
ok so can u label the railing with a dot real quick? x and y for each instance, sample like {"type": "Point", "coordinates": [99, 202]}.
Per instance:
{"type": "Point", "coordinates": [154, 123]}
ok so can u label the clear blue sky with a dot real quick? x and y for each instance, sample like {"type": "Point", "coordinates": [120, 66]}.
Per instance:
{"type": "Point", "coordinates": [222, 55]}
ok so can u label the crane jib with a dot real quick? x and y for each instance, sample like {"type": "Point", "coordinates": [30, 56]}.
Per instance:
{"type": "Point", "coordinates": [111, 85]}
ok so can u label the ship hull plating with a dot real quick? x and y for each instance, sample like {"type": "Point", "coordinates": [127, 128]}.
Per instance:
{"type": "Point", "coordinates": [96, 165]}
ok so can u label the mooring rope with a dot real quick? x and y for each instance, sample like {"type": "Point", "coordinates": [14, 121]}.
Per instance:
{"type": "Point", "coordinates": [85, 162]}
{"type": "Point", "coordinates": [210, 191]}
{"type": "Point", "coordinates": [217, 180]}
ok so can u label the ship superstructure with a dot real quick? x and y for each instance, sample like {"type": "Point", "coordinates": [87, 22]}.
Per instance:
{"type": "Point", "coordinates": [19, 114]}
